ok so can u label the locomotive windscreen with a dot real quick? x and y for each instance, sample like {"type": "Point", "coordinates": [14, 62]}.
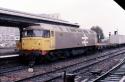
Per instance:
{"type": "Point", "coordinates": [36, 33]}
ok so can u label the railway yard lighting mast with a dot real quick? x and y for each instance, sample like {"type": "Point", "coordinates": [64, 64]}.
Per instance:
{"type": "Point", "coordinates": [116, 31]}
{"type": "Point", "coordinates": [109, 34]}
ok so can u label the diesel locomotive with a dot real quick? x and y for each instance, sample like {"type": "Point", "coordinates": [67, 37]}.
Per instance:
{"type": "Point", "coordinates": [47, 41]}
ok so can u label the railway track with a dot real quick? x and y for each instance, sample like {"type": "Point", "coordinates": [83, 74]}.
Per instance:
{"type": "Point", "coordinates": [54, 75]}
{"type": "Point", "coordinates": [16, 66]}
{"type": "Point", "coordinates": [56, 70]}
{"type": "Point", "coordinates": [8, 56]}
{"type": "Point", "coordinates": [10, 64]}
{"type": "Point", "coordinates": [116, 74]}
{"type": "Point", "coordinates": [74, 68]}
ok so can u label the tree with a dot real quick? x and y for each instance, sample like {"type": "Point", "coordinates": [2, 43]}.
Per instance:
{"type": "Point", "coordinates": [99, 32]}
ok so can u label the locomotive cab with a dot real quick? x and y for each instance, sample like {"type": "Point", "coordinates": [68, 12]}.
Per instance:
{"type": "Point", "coordinates": [36, 38]}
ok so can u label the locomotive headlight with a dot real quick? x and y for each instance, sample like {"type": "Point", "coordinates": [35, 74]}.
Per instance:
{"type": "Point", "coordinates": [32, 48]}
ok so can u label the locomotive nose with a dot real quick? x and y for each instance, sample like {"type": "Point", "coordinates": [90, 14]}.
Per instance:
{"type": "Point", "coordinates": [37, 43]}
{"type": "Point", "coordinates": [31, 44]}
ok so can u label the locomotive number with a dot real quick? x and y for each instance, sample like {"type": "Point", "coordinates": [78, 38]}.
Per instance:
{"type": "Point", "coordinates": [84, 40]}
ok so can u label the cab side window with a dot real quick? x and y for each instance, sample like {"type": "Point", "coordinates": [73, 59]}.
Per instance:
{"type": "Point", "coordinates": [46, 34]}
{"type": "Point", "coordinates": [52, 33]}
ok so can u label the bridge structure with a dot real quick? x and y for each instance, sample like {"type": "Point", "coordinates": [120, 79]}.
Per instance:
{"type": "Point", "coordinates": [16, 18]}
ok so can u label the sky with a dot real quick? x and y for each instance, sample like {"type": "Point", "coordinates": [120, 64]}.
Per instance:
{"type": "Point", "coordinates": [87, 13]}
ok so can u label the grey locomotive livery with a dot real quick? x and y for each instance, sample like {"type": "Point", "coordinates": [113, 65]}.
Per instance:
{"type": "Point", "coordinates": [75, 37]}
{"type": "Point", "coordinates": [70, 37]}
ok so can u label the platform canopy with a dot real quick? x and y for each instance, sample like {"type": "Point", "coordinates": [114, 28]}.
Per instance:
{"type": "Point", "coordinates": [17, 18]}
{"type": "Point", "coordinates": [121, 3]}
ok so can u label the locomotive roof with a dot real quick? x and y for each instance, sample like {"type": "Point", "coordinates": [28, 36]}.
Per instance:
{"type": "Point", "coordinates": [59, 28]}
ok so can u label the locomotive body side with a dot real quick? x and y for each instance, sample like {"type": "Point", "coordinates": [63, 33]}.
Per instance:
{"type": "Point", "coordinates": [77, 39]}
{"type": "Point", "coordinates": [59, 39]}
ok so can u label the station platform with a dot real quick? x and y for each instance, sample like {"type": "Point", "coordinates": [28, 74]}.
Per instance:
{"type": "Point", "coordinates": [8, 52]}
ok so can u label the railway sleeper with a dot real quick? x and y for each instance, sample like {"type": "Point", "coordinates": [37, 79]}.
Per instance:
{"type": "Point", "coordinates": [96, 72]}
